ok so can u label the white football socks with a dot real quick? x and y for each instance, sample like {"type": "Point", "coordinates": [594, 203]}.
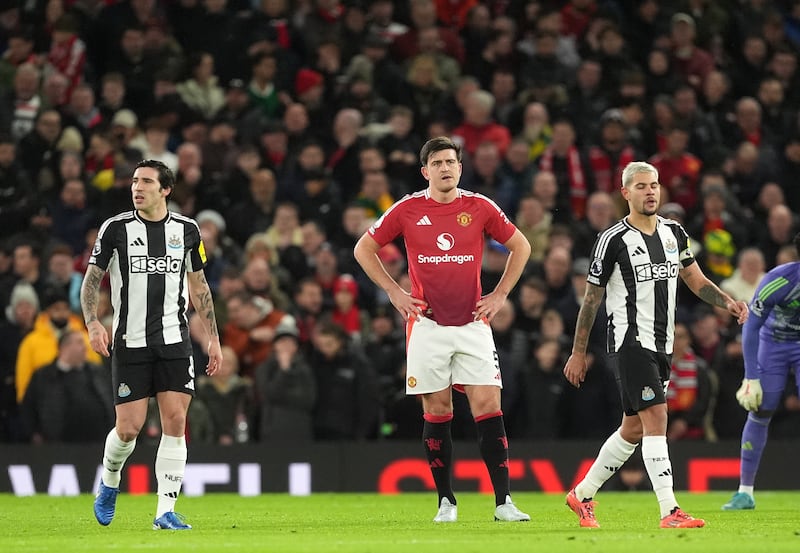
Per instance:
{"type": "Point", "coordinates": [115, 453]}
{"type": "Point", "coordinates": [659, 468]}
{"type": "Point", "coordinates": [170, 466]}
{"type": "Point", "coordinates": [612, 456]}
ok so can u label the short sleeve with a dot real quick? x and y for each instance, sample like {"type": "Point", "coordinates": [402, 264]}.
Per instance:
{"type": "Point", "coordinates": [389, 225]}
{"type": "Point", "coordinates": [604, 256]}
{"type": "Point", "coordinates": [497, 225]}
{"type": "Point", "coordinates": [104, 245]}
{"type": "Point", "coordinates": [685, 254]}
{"type": "Point", "coordinates": [195, 249]}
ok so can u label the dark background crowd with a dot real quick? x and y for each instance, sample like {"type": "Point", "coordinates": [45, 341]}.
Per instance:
{"type": "Point", "coordinates": [292, 125]}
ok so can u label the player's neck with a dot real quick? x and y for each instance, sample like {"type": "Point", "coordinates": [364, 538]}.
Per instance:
{"type": "Point", "coordinates": [643, 223]}
{"type": "Point", "coordinates": [443, 197]}
{"type": "Point", "coordinates": [155, 214]}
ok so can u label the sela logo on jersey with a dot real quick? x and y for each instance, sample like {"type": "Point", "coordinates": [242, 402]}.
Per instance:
{"type": "Point", "coordinates": [655, 271]}
{"type": "Point", "coordinates": [155, 265]}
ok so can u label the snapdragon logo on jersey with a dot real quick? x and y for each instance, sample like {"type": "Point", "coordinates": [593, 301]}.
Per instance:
{"type": "Point", "coordinates": [155, 265]}
{"type": "Point", "coordinates": [445, 242]}
{"type": "Point", "coordinates": [655, 271]}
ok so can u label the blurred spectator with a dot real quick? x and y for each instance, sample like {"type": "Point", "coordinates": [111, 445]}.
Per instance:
{"type": "Point", "coordinates": [750, 168]}
{"type": "Point", "coordinates": [570, 171]}
{"type": "Point", "coordinates": [348, 408]}
{"type": "Point", "coordinates": [19, 50]}
{"type": "Point", "coordinates": [200, 91]}
{"type": "Point", "coordinates": [67, 53]}
{"type": "Point", "coordinates": [136, 65]}
{"type": "Point", "coordinates": [716, 215]}
{"type": "Point", "coordinates": [70, 399]}
{"type": "Point", "coordinates": [485, 177]}
{"type": "Point", "coordinates": [284, 232]}
{"type": "Point", "coordinates": [322, 200]}
{"type": "Point", "coordinates": [72, 215]}
{"type": "Point", "coordinates": [556, 267]}
{"type": "Point", "coordinates": [587, 98]}
{"type": "Point", "coordinates": [385, 347]}
{"type": "Point", "coordinates": [255, 213]}
{"type": "Point", "coordinates": [156, 136]}
{"type": "Point", "coordinates": [719, 251]}
{"type": "Point", "coordinates": [401, 144]}
{"type": "Point", "coordinates": [250, 329]}
{"type": "Point", "coordinates": [82, 110]}
{"type": "Point", "coordinates": [601, 213]}
{"type": "Point", "coordinates": [690, 392]}
{"type": "Point", "coordinates": [375, 195]}
{"type": "Point", "coordinates": [308, 307]}
{"type": "Point", "coordinates": [519, 170]}
{"type": "Point", "coordinates": [17, 321]}
{"type": "Point", "coordinates": [705, 139]}
{"type": "Point", "coordinates": [230, 401]}
{"type": "Point", "coordinates": [37, 150]}
{"type": "Point", "coordinates": [40, 346]}
{"type": "Point", "coordinates": [542, 385]}
{"type": "Point", "coordinates": [781, 228]}
{"type": "Point", "coordinates": [221, 251]}
{"type": "Point", "coordinates": [692, 63]}
{"type": "Point", "coordinates": [286, 389]}
{"type": "Point", "coordinates": [568, 307]}
{"type": "Point", "coordinates": [478, 126]}
{"type": "Point", "coordinates": [112, 95]}
{"type": "Point", "coordinates": [534, 222]}
{"type": "Point", "coordinates": [423, 16]}
{"type": "Point", "coordinates": [750, 268]}
{"type": "Point", "coordinates": [62, 275]}
{"type": "Point", "coordinates": [343, 162]}
{"type": "Point", "coordinates": [16, 194]}
{"type": "Point", "coordinates": [531, 304]}
{"type": "Point", "coordinates": [512, 346]}
{"type": "Point", "coordinates": [346, 312]}
{"type": "Point", "coordinates": [25, 267]}
{"type": "Point", "coordinates": [494, 263]}
{"type": "Point", "coordinates": [22, 103]}
{"type": "Point", "coordinates": [678, 170]}
{"type": "Point", "coordinates": [259, 279]}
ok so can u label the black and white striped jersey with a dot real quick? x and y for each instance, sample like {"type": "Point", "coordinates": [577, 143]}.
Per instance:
{"type": "Point", "coordinates": [640, 275]}
{"type": "Point", "coordinates": [148, 262]}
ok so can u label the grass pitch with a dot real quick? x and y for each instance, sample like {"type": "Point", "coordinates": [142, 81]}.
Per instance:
{"type": "Point", "coordinates": [368, 523]}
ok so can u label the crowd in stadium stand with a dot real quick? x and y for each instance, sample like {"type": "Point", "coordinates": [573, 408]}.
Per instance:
{"type": "Point", "coordinates": [292, 125]}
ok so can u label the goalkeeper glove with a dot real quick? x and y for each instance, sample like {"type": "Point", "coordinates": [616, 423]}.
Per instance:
{"type": "Point", "coordinates": [749, 394]}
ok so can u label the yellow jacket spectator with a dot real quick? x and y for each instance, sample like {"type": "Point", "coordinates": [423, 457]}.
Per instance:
{"type": "Point", "coordinates": [40, 346]}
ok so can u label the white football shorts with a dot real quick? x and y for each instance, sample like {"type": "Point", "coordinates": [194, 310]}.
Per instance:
{"type": "Point", "coordinates": [439, 356]}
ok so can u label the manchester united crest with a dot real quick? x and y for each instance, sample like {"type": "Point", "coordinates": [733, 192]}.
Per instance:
{"type": "Point", "coordinates": [464, 219]}
{"type": "Point", "coordinates": [412, 382]}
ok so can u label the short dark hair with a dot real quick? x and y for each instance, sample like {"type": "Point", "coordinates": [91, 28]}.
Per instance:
{"type": "Point", "coordinates": [797, 242]}
{"type": "Point", "coordinates": [437, 145]}
{"type": "Point", "coordinates": [166, 178]}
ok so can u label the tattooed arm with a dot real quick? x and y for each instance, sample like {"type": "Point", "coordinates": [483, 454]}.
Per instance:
{"type": "Point", "coordinates": [710, 293]}
{"type": "Point", "coordinates": [575, 369]}
{"type": "Point", "coordinates": [204, 306]}
{"type": "Point", "coordinates": [90, 296]}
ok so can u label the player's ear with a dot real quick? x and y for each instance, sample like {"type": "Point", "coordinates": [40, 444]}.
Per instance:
{"type": "Point", "coordinates": [424, 171]}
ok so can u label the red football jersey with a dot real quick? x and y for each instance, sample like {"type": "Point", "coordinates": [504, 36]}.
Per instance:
{"type": "Point", "coordinates": [444, 244]}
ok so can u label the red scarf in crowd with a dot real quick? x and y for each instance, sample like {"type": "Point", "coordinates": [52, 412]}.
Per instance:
{"type": "Point", "coordinates": [349, 320]}
{"type": "Point", "coordinates": [608, 178]}
{"type": "Point", "coordinates": [577, 182]}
